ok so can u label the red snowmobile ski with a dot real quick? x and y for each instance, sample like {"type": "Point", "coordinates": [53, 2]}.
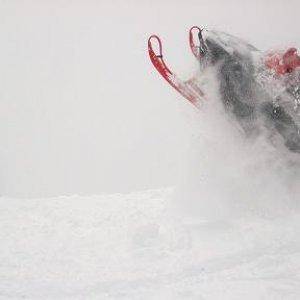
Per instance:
{"type": "Point", "coordinates": [189, 88]}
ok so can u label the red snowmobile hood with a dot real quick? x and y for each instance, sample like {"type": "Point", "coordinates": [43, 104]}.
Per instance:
{"type": "Point", "coordinates": [284, 62]}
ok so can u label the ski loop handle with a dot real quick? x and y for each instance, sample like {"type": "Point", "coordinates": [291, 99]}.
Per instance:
{"type": "Point", "coordinates": [159, 45]}
{"type": "Point", "coordinates": [198, 51]}
{"type": "Point", "coordinates": [196, 27]}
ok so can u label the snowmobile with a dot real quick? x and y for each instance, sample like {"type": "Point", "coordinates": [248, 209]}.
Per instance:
{"type": "Point", "coordinates": [260, 90]}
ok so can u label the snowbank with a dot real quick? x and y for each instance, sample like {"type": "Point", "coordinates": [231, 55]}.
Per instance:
{"type": "Point", "coordinates": [137, 246]}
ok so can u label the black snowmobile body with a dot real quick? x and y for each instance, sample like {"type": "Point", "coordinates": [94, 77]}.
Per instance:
{"type": "Point", "coordinates": [244, 97]}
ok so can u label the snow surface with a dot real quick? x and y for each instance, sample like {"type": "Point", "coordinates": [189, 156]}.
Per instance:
{"type": "Point", "coordinates": [134, 246]}
{"type": "Point", "coordinates": [228, 230]}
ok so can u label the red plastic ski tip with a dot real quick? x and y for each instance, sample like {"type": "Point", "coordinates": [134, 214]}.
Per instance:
{"type": "Point", "coordinates": [155, 37]}
{"type": "Point", "coordinates": [194, 48]}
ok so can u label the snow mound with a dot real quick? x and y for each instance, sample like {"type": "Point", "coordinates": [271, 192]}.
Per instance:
{"type": "Point", "coordinates": [138, 246]}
